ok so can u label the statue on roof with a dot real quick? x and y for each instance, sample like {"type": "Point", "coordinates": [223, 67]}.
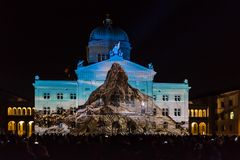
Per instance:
{"type": "Point", "coordinates": [150, 66]}
{"type": "Point", "coordinates": [37, 77]}
{"type": "Point", "coordinates": [80, 63]}
{"type": "Point", "coordinates": [116, 48]}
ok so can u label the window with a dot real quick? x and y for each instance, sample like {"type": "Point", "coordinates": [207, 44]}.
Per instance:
{"type": "Point", "coordinates": [178, 125]}
{"type": "Point", "coordinates": [231, 115]}
{"type": "Point", "coordinates": [73, 96]}
{"type": "Point", "coordinates": [204, 113]}
{"type": "Point", "coordinates": [154, 97]}
{"type": "Point", "coordinates": [177, 98]}
{"type": "Point", "coordinates": [73, 110]}
{"type": "Point", "coordinates": [196, 113]}
{"type": "Point", "coordinates": [165, 111]}
{"type": "Point", "coordinates": [222, 104]}
{"type": "Point", "coordinates": [60, 96]}
{"type": "Point", "coordinates": [230, 103]}
{"type": "Point", "coordinates": [87, 89]}
{"type": "Point", "coordinates": [177, 112]}
{"type": "Point", "coordinates": [60, 110]}
{"type": "Point", "coordinates": [200, 113]}
{"type": "Point", "coordinates": [192, 113]}
{"type": "Point", "coordinates": [154, 111]}
{"type": "Point", "coordinates": [165, 125]}
{"type": "Point", "coordinates": [46, 95]}
{"type": "Point", "coordinates": [165, 97]}
{"type": "Point", "coordinates": [46, 110]}
{"type": "Point", "coordinates": [230, 127]}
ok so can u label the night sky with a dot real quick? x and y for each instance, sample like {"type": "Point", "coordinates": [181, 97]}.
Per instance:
{"type": "Point", "coordinates": [197, 40]}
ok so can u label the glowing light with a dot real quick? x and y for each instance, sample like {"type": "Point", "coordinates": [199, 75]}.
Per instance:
{"type": "Point", "coordinates": [231, 115]}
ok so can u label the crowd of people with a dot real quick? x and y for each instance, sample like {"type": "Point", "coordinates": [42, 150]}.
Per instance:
{"type": "Point", "coordinates": [118, 147]}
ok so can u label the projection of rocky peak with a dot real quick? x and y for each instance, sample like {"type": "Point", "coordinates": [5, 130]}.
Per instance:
{"type": "Point", "coordinates": [115, 89]}
{"type": "Point", "coordinates": [114, 107]}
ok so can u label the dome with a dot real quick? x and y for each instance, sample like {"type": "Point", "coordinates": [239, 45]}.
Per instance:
{"type": "Point", "coordinates": [102, 40]}
{"type": "Point", "coordinates": [108, 32]}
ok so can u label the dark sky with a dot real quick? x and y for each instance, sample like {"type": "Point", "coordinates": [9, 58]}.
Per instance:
{"type": "Point", "coordinates": [197, 40]}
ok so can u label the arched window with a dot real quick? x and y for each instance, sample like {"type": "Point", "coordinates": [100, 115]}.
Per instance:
{"type": "Point", "coordinates": [12, 126]}
{"type": "Point", "coordinates": [200, 113]}
{"type": "Point", "coordinates": [231, 115]}
{"type": "Point", "coordinates": [24, 111]}
{"type": "Point", "coordinates": [194, 128]}
{"type": "Point", "coordinates": [21, 128]}
{"type": "Point", "coordinates": [192, 113]}
{"type": "Point", "coordinates": [19, 110]}
{"type": "Point", "coordinates": [10, 111]}
{"type": "Point", "coordinates": [30, 128]}
{"type": "Point", "coordinates": [204, 113]}
{"type": "Point", "coordinates": [29, 111]}
{"type": "Point", "coordinates": [196, 113]}
{"type": "Point", "coordinates": [202, 128]}
{"type": "Point", "coordinates": [14, 111]}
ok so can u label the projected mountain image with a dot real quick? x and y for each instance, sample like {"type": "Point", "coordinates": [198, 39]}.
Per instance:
{"type": "Point", "coordinates": [113, 108]}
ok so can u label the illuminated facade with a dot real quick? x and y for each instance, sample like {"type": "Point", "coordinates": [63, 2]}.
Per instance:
{"type": "Point", "coordinates": [55, 95]}
{"type": "Point", "coordinates": [20, 120]}
{"type": "Point", "coordinates": [199, 120]}
{"type": "Point", "coordinates": [228, 111]}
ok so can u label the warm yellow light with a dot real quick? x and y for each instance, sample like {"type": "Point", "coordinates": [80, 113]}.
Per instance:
{"type": "Point", "coordinates": [231, 115]}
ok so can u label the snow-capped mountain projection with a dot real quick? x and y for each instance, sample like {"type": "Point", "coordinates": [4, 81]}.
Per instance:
{"type": "Point", "coordinates": [115, 107]}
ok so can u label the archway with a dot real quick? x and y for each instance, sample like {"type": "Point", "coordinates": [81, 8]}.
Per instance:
{"type": "Point", "coordinates": [204, 113]}
{"type": "Point", "coordinates": [30, 128]}
{"type": "Point", "coordinates": [192, 113]}
{"type": "Point", "coordinates": [10, 111]}
{"type": "Point", "coordinates": [24, 111]}
{"type": "Point", "coordinates": [196, 113]}
{"type": "Point", "coordinates": [200, 113]}
{"type": "Point", "coordinates": [19, 111]}
{"type": "Point", "coordinates": [12, 127]}
{"type": "Point", "coordinates": [194, 128]}
{"type": "Point", "coordinates": [202, 128]}
{"type": "Point", "coordinates": [29, 111]}
{"type": "Point", "coordinates": [21, 128]}
{"type": "Point", "coordinates": [14, 111]}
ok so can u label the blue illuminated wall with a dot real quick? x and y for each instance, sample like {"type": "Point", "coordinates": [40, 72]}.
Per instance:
{"type": "Point", "coordinates": [92, 76]}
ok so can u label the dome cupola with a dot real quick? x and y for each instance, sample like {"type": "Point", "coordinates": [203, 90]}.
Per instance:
{"type": "Point", "coordinates": [103, 38]}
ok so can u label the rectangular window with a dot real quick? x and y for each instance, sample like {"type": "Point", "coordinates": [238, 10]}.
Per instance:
{"type": "Point", "coordinates": [59, 95]}
{"type": "Point", "coordinates": [165, 97]}
{"type": "Point", "coordinates": [230, 103]}
{"type": "Point", "coordinates": [87, 89]}
{"type": "Point", "coordinates": [154, 97]}
{"type": "Point", "coordinates": [179, 112]}
{"type": "Point", "coordinates": [46, 95]}
{"type": "Point", "coordinates": [73, 96]}
{"type": "Point", "coordinates": [175, 111]}
{"type": "Point", "coordinates": [165, 111]}
{"type": "Point", "coordinates": [177, 98]}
